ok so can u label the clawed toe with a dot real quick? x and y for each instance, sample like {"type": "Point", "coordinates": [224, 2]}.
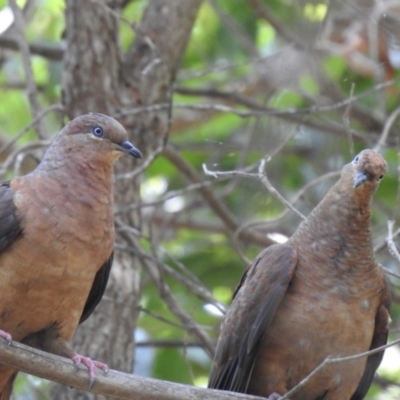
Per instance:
{"type": "Point", "coordinates": [91, 366]}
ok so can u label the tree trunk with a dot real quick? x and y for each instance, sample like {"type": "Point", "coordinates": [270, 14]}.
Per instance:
{"type": "Point", "coordinates": [97, 78]}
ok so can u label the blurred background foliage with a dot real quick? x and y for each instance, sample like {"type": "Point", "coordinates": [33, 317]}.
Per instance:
{"type": "Point", "coordinates": [306, 84]}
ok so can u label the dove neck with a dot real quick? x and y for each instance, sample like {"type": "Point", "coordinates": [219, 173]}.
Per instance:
{"type": "Point", "coordinates": [81, 167]}
{"type": "Point", "coordinates": [341, 226]}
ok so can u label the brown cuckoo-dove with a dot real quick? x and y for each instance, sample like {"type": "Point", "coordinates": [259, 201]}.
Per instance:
{"type": "Point", "coordinates": [320, 294]}
{"type": "Point", "coordinates": [57, 239]}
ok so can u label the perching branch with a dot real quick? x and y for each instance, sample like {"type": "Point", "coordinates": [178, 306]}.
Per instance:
{"type": "Point", "coordinates": [114, 384]}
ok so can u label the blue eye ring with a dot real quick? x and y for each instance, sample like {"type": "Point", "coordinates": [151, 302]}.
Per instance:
{"type": "Point", "coordinates": [97, 131]}
{"type": "Point", "coordinates": [355, 161]}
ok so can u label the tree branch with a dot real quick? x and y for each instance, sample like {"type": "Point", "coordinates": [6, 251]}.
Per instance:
{"type": "Point", "coordinates": [46, 50]}
{"type": "Point", "coordinates": [114, 384]}
{"type": "Point", "coordinates": [26, 63]}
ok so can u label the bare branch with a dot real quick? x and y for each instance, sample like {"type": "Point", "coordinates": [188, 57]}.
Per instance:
{"type": "Point", "coordinates": [114, 384]}
{"type": "Point", "coordinates": [34, 122]}
{"type": "Point", "coordinates": [336, 360]}
{"type": "Point", "coordinates": [214, 203]}
{"type": "Point", "coordinates": [26, 62]}
{"type": "Point", "coordinates": [262, 177]}
{"type": "Point", "coordinates": [46, 50]}
{"type": "Point", "coordinates": [386, 130]}
{"type": "Point", "coordinates": [391, 246]}
{"type": "Point", "coordinates": [167, 295]}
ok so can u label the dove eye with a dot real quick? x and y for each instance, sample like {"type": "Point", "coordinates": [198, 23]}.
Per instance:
{"type": "Point", "coordinates": [97, 131]}
{"type": "Point", "coordinates": [381, 177]}
{"type": "Point", "coordinates": [355, 161]}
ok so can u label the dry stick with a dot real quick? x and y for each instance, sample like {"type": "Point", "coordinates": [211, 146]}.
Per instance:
{"type": "Point", "coordinates": [389, 271]}
{"type": "Point", "coordinates": [163, 319]}
{"type": "Point", "coordinates": [261, 10]}
{"type": "Point", "coordinates": [294, 115]}
{"type": "Point", "coordinates": [296, 198]}
{"type": "Point", "coordinates": [197, 289]}
{"type": "Point", "coordinates": [174, 193]}
{"type": "Point", "coordinates": [190, 280]}
{"type": "Point", "coordinates": [391, 246]}
{"type": "Point", "coordinates": [264, 179]}
{"type": "Point", "coordinates": [167, 343]}
{"type": "Point", "coordinates": [215, 204]}
{"type": "Point", "coordinates": [42, 114]}
{"type": "Point", "coordinates": [184, 75]}
{"type": "Point", "coordinates": [260, 176]}
{"type": "Point", "coordinates": [26, 147]}
{"type": "Point", "coordinates": [169, 195]}
{"type": "Point", "coordinates": [170, 300]}
{"type": "Point", "coordinates": [191, 224]}
{"type": "Point", "coordinates": [46, 50]}
{"type": "Point", "coordinates": [336, 360]}
{"type": "Point", "coordinates": [188, 323]}
{"type": "Point", "coordinates": [143, 165]}
{"type": "Point", "coordinates": [386, 129]}
{"type": "Point", "coordinates": [114, 384]}
{"type": "Point", "coordinates": [176, 308]}
{"type": "Point", "coordinates": [382, 245]}
{"type": "Point", "coordinates": [239, 35]}
{"type": "Point", "coordinates": [254, 105]}
{"type": "Point", "coordinates": [346, 122]}
{"type": "Point", "coordinates": [26, 62]}
{"type": "Point", "coordinates": [117, 16]}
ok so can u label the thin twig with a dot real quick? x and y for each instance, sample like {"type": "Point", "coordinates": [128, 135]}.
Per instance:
{"type": "Point", "coordinates": [216, 205]}
{"type": "Point", "coordinates": [389, 271]}
{"type": "Point", "coordinates": [26, 63]}
{"type": "Point", "coordinates": [336, 360]}
{"type": "Point", "coordinates": [167, 343]}
{"type": "Point", "coordinates": [260, 176]}
{"type": "Point", "coordinates": [391, 246]}
{"type": "Point", "coordinates": [386, 129]}
{"type": "Point", "coordinates": [382, 245]}
{"type": "Point", "coordinates": [170, 300]}
{"type": "Point", "coordinates": [24, 148]}
{"type": "Point", "coordinates": [346, 121]}
{"type": "Point", "coordinates": [47, 50]}
{"type": "Point", "coordinates": [143, 166]}
{"type": "Point", "coordinates": [42, 114]}
{"type": "Point", "coordinates": [264, 179]}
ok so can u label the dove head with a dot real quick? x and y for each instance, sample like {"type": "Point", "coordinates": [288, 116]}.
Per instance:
{"type": "Point", "coordinates": [100, 132]}
{"type": "Point", "coordinates": [93, 139]}
{"type": "Point", "coordinates": [366, 171]}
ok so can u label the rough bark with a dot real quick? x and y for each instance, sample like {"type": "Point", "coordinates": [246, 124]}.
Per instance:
{"type": "Point", "coordinates": [95, 78]}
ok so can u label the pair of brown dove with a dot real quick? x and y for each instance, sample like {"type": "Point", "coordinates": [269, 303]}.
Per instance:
{"type": "Point", "coordinates": [57, 239]}
{"type": "Point", "coordinates": [320, 295]}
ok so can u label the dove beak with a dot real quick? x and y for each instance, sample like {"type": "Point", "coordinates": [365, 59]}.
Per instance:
{"type": "Point", "coordinates": [360, 178]}
{"type": "Point", "coordinates": [129, 148]}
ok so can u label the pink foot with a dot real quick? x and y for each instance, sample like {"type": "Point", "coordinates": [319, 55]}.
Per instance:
{"type": "Point", "coordinates": [91, 366]}
{"type": "Point", "coordinates": [6, 336]}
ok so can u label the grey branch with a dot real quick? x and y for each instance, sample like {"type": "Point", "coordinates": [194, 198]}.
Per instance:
{"type": "Point", "coordinates": [114, 384]}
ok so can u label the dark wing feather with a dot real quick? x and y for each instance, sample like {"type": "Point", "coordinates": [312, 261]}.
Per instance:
{"type": "Point", "coordinates": [255, 302]}
{"type": "Point", "coordinates": [97, 290]}
{"type": "Point", "coordinates": [379, 338]}
{"type": "Point", "coordinates": [10, 226]}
